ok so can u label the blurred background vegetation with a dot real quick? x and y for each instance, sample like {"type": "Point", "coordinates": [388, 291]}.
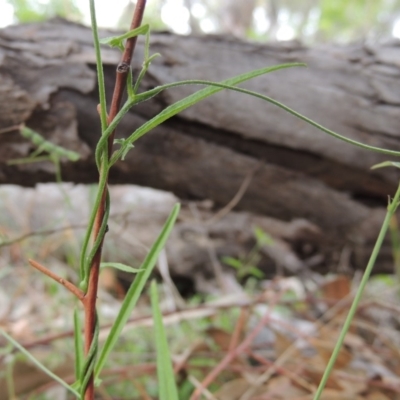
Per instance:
{"type": "Point", "coordinates": [310, 21]}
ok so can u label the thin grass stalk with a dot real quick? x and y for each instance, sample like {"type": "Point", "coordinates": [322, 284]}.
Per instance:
{"type": "Point", "coordinates": [395, 239]}
{"type": "Point", "coordinates": [390, 212]}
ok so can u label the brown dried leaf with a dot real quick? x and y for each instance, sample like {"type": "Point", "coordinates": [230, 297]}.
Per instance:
{"type": "Point", "coordinates": [220, 337]}
{"type": "Point", "coordinates": [375, 395]}
{"type": "Point", "coordinates": [352, 386]}
{"type": "Point", "coordinates": [314, 375]}
{"type": "Point", "coordinates": [325, 349]}
{"type": "Point", "coordinates": [232, 390]}
{"type": "Point", "coordinates": [337, 288]}
{"type": "Point", "coordinates": [332, 394]}
{"type": "Point", "coordinates": [281, 387]}
{"type": "Point", "coordinates": [281, 343]}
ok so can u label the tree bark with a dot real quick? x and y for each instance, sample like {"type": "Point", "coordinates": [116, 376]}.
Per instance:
{"type": "Point", "coordinates": [48, 82]}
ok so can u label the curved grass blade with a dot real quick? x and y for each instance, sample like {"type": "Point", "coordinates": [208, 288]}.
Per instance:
{"type": "Point", "coordinates": [38, 363]}
{"type": "Point", "coordinates": [166, 380]}
{"type": "Point", "coordinates": [386, 164]}
{"type": "Point", "coordinates": [200, 95]}
{"type": "Point", "coordinates": [135, 290]}
{"type": "Point", "coordinates": [190, 101]}
{"type": "Point", "coordinates": [120, 266]}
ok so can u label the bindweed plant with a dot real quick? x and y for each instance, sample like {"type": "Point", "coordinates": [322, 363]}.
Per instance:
{"type": "Point", "coordinates": [90, 356]}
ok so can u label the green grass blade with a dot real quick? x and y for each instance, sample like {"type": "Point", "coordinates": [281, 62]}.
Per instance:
{"type": "Point", "coordinates": [386, 164]}
{"type": "Point", "coordinates": [38, 363]}
{"type": "Point", "coordinates": [346, 326]}
{"type": "Point", "coordinates": [78, 342]}
{"type": "Point", "coordinates": [189, 101]}
{"type": "Point", "coordinates": [165, 373]}
{"type": "Point", "coordinates": [120, 266]}
{"type": "Point", "coordinates": [200, 95]}
{"type": "Point", "coordinates": [99, 64]}
{"type": "Point", "coordinates": [135, 290]}
{"type": "Point", "coordinates": [117, 41]}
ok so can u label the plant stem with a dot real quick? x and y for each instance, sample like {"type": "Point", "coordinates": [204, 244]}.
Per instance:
{"type": "Point", "coordinates": [91, 295]}
{"type": "Point", "coordinates": [391, 210]}
{"type": "Point", "coordinates": [68, 285]}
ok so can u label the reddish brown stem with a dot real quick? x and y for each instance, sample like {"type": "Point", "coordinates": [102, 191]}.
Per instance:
{"type": "Point", "coordinates": [70, 286]}
{"type": "Point", "coordinates": [91, 295]}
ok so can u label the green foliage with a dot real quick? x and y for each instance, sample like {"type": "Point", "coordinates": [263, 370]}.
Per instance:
{"type": "Point", "coordinates": [89, 365]}
{"type": "Point", "coordinates": [34, 11]}
{"type": "Point", "coordinates": [118, 41]}
{"type": "Point", "coordinates": [78, 345]}
{"type": "Point", "coordinates": [344, 20]}
{"type": "Point", "coordinates": [53, 153]}
{"type": "Point", "coordinates": [119, 266]}
{"type": "Point", "coordinates": [248, 265]}
{"type": "Point", "coordinates": [166, 381]}
{"type": "Point", "coordinates": [45, 146]}
{"type": "Point", "coordinates": [135, 290]}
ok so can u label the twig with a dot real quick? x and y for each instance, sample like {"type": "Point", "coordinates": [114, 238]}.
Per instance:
{"type": "Point", "coordinates": [231, 355]}
{"type": "Point", "coordinates": [10, 129]}
{"type": "Point", "coordinates": [68, 285]}
{"type": "Point", "coordinates": [238, 196]}
{"type": "Point", "coordinates": [283, 371]}
{"type": "Point", "coordinates": [8, 242]}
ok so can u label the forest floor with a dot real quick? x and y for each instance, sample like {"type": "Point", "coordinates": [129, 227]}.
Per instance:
{"type": "Point", "coordinates": [238, 325]}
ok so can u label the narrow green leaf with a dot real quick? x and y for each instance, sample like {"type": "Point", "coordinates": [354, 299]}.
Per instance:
{"type": "Point", "coordinates": [256, 272]}
{"type": "Point", "coordinates": [135, 290]}
{"type": "Point", "coordinates": [232, 262]}
{"type": "Point", "coordinates": [216, 87]}
{"type": "Point", "coordinates": [121, 267]}
{"type": "Point", "coordinates": [129, 85]}
{"type": "Point", "coordinates": [189, 101]}
{"type": "Point", "coordinates": [165, 373]}
{"type": "Point", "coordinates": [146, 62]}
{"type": "Point", "coordinates": [357, 298]}
{"type": "Point", "coordinates": [116, 41]}
{"type": "Point", "coordinates": [386, 164]}
{"type": "Point", "coordinates": [99, 65]}
{"type": "Point", "coordinates": [262, 237]}
{"type": "Point", "coordinates": [79, 353]}
{"type": "Point", "coordinates": [38, 363]}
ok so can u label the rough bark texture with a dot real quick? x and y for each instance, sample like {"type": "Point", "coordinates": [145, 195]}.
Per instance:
{"type": "Point", "coordinates": [47, 80]}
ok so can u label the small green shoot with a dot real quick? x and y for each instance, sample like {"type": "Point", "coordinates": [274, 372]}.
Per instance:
{"type": "Point", "coordinates": [247, 265]}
